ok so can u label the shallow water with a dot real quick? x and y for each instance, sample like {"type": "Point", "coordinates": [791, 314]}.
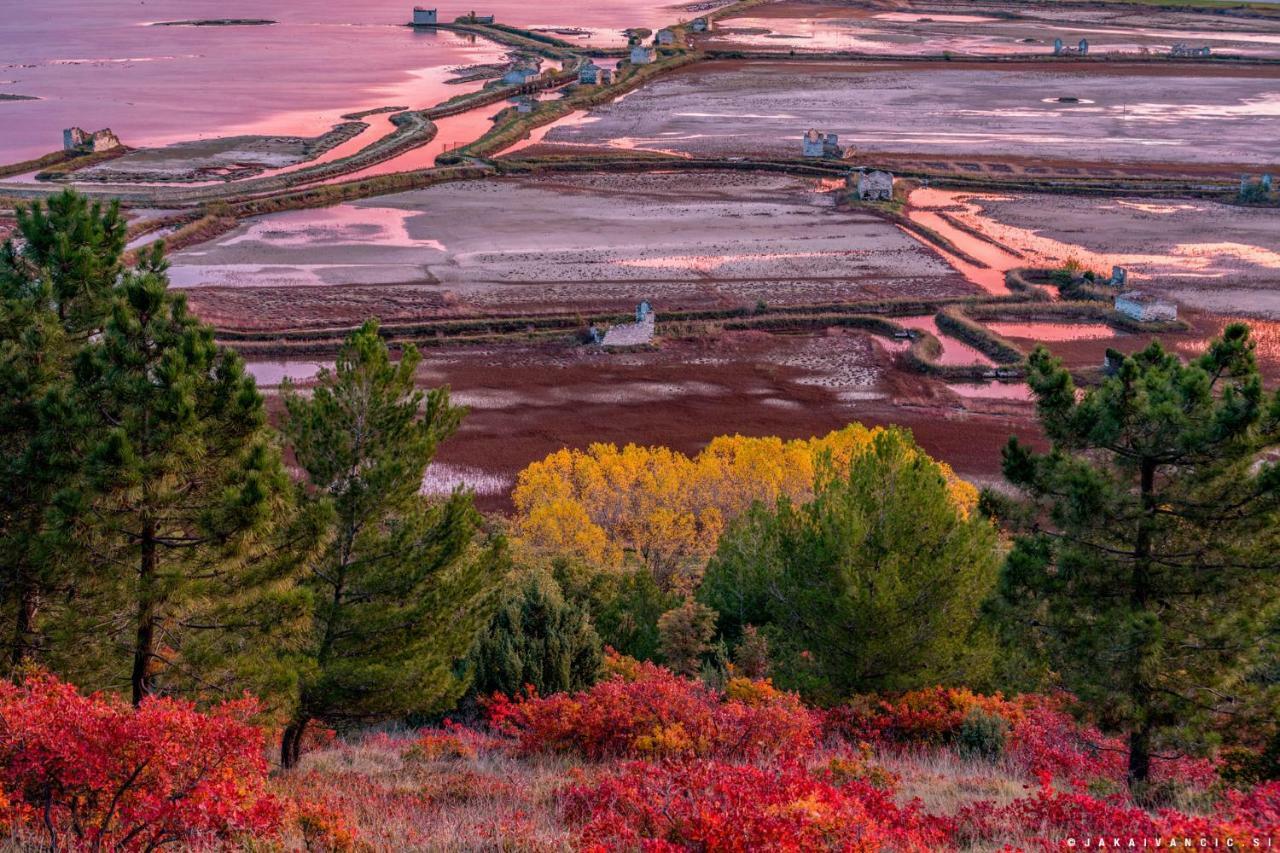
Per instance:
{"type": "Point", "coordinates": [98, 63]}
{"type": "Point", "coordinates": [954, 351]}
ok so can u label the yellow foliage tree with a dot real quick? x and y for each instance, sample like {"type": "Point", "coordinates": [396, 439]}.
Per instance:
{"type": "Point", "coordinates": [670, 509]}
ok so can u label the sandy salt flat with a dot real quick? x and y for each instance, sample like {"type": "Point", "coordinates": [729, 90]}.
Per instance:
{"type": "Point", "coordinates": [989, 29]}
{"type": "Point", "coordinates": [529, 245]}
{"type": "Point", "coordinates": [1123, 114]}
{"type": "Point", "coordinates": [1231, 268]}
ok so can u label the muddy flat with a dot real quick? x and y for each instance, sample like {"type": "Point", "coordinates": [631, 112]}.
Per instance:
{"type": "Point", "coordinates": [587, 242]}
{"type": "Point", "coordinates": [1119, 113]}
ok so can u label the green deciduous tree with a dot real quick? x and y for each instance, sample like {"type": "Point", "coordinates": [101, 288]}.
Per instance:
{"type": "Point", "coordinates": [874, 585]}
{"type": "Point", "coordinates": [1147, 566]}
{"type": "Point", "coordinates": [404, 586]}
{"type": "Point", "coordinates": [181, 507]}
{"type": "Point", "coordinates": [537, 639]}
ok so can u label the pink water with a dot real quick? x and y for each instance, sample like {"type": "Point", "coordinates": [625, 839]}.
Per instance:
{"type": "Point", "coordinates": [96, 63]}
{"type": "Point", "coordinates": [954, 352]}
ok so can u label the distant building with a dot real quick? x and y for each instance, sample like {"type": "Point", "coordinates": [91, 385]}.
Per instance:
{"type": "Point", "coordinates": [1119, 275]}
{"type": "Point", "coordinates": [519, 75]}
{"type": "Point", "coordinates": [473, 18]}
{"type": "Point", "coordinates": [1111, 362]}
{"type": "Point", "coordinates": [818, 144]}
{"type": "Point", "coordinates": [1145, 307]}
{"type": "Point", "coordinates": [525, 104]}
{"type": "Point", "coordinates": [666, 37]}
{"type": "Point", "coordinates": [1060, 49]}
{"type": "Point", "coordinates": [641, 55]}
{"type": "Point", "coordinates": [875, 186]}
{"type": "Point", "coordinates": [424, 17]}
{"type": "Point", "coordinates": [1186, 51]}
{"type": "Point", "coordinates": [77, 141]}
{"type": "Point", "coordinates": [634, 334]}
{"type": "Point", "coordinates": [589, 74]}
{"type": "Point", "coordinates": [700, 25]}
{"type": "Point", "coordinates": [606, 76]}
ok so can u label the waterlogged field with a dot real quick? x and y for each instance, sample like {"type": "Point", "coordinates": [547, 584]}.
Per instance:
{"type": "Point", "coordinates": [100, 63]}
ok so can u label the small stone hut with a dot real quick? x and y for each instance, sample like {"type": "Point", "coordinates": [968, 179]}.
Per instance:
{"type": "Point", "coordinates": [815, 143]}
{"type": "Point", "coordinates": [1145, 307]}
{"type": "Point", "coordinates": [875, 186]}
{"type": "Point", "coordinates": [642, 55]}
{"type": "Point", "coordinates": [424, 17]}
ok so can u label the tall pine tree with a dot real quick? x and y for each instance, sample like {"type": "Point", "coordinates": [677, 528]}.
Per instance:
{"type": "Point", "coordinates": [183, 508]}
{"type": "Point", "coordinates": [56, 279]}
{"type": "Point", "coordinates": [404, 586]}
{"type": "Point", "coordinates": [1147, 568]}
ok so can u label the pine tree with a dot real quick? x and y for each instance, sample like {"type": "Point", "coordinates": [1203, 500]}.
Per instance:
{"type": "Point", "coordinates": [182, 507]}
{"type": "Point", "coordinates": [404, 587]}
{"type": "Point", "coordinates": [536, 639]}
{"type": "Point", "coordinates": [876, 584]}
{"type": "Point", "coordinates": [55, 284]}
{"type": "Point", "coordinates": [1148, 561]}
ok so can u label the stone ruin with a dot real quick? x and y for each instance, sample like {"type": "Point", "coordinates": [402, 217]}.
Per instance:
{"type": "Point", "coordinates": [874, 186]}
{"type": "Point", "coordinates": [77, 141]}
{"type": "Point", "coordinates": [424, 17]}
{"type": "Point", "coordinates": [1186, 51]}
{"type": "Point", "coordinates": [817, 144]}
{"type": "Point", "coordinates": [1060, 49]}
{"type": "Point", "coordinates": [639, 333]}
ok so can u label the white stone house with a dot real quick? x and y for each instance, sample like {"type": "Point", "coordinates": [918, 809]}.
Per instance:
{"type": "Point", "coordinates": [642, 55]}
{"type": "Point", "coordinates": [666, 37]}
{"type": "Point", "coordinates": [424, 17]}
{"type": "Point", "coordinates": [815, 143]}
{"type": "Point", "coordinates": [82, 142]}
{"type": "Point", "coordinates": [875, 186]}
{"type": "Point", "coordinates": [1145, 307]}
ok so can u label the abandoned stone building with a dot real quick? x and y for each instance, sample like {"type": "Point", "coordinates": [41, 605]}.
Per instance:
{"type": "Point", "coordinates": [1145, 307]}
{"type": "Point", "coordinates": [666, 37]}
{"type": "Point", "coordinates": [872, 186]}
{"type": "Point", "coordinates": [1060, 49]}
{"type": "Point", "coordinates": [1186, 51]}
{"type": "Point", "coordinates": [424, 17]}
{"type": "Point", "coordinates": [1119, 275]}
{"type": "Point", "coordinates": [815, 143]}
{"type": "Point", "coordinates": [700, 25]}
{"type": "Point", "coordinates": [77, 141]}
{"type": "Point", "coordinates": [590, 74]}
{"type": "Point", "coordinates": [519, 75]}
{"type": "Point", "coordinates": [634, 334]}
{"type": "Point", "coordinates": [525, 104]}
{"type": "Point", "coordinates": [473, 18]}
{"type": "Point", "coordinates": [642, 55]}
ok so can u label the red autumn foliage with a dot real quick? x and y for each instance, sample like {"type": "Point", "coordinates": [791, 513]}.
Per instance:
{"type": "Point", "coordinates": [1044, 740]}
{"type": "Point", "coordinates": [646, 710]}
{"type": "Point", "coordinates": [1047, 818]}
{"type": "Point", "coordinates": [91, 772]}
{"type": "Point", "coordinates": [710, 805]}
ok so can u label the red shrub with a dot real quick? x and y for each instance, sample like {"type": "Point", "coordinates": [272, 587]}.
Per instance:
{"type": "Point", "coordinates": [90, 771]}
{"type": "Point", "coordinates": [709, 805]}
{"type": "Point", "coordinates": [652, 712]}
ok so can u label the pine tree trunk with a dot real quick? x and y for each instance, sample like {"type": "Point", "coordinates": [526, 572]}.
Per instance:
{"type": "Point", "coordinates": [1140, 595]}
{"type": "Point", "coordinates": [143, 678]}
{"type": "Point", "coordinates": [291, 741]}
{"type": "Point", "coordinates": [25, 624]}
